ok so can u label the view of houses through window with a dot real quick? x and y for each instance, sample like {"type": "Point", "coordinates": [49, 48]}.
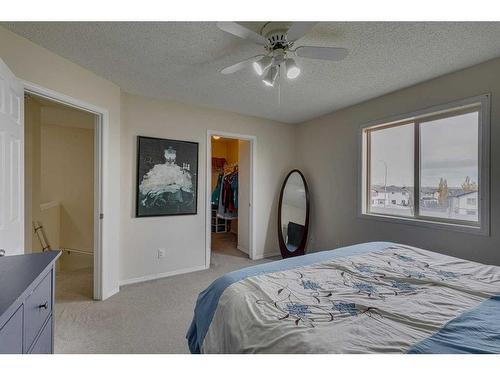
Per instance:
{"type": "Point", "coordinates": [445, 165]}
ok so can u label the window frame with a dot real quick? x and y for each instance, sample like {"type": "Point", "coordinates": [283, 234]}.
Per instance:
{"type": "Point", "coordinates": [479, 103]}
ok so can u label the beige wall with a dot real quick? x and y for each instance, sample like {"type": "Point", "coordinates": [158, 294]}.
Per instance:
{"type": "Point", "coordinates": [328, 154]}
{"type": "Point", "coordinates": [59, 176]}
{"type": "Point", "coordinates": [36, 64]}
{"type": "Point", "coordinates": [49, 216]}
{"type": "Point", "coordinates": [228, 149]}
{"type": "Point", "coordinates": [224, 148]}
{"type": "Point", "coordinates": [244, 195]}
{"type": "Point", "coordinates": [67, 177]}
{"type": "Point", "coordinates": [326, 149]}
{"type": "Point", "coordinates": [37, 209]}
{"type": "Point", "coordinates": [183, 237]}
{"type": "Point", "coordinates": [32, 158]}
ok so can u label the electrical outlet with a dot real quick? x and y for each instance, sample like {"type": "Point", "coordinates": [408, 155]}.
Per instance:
{"type": "Point", "coordinates": [161, 253]}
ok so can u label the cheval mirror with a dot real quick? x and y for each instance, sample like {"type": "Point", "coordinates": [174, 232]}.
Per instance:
{"type": "Point", "coordinates": [293, 215]}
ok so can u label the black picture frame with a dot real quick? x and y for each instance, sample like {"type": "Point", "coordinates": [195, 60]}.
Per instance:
{"type": "Point", "coordinates": [173, 163]}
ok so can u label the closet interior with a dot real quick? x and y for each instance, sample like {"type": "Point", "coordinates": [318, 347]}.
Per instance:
{"type": "Point", "coordinates": [229, 198]}
{"type": "Point", "coordinates": [59, 191]}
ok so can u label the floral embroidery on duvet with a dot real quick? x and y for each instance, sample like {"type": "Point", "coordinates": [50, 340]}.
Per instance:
{"type": "Point", "coordinates": [348, 288]}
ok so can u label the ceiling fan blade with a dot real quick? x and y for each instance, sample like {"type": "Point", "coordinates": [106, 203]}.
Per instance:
{"type": "Point", "coordinates": [242, 64]}
{"type": "Point", "coordinates": [241, 32]}
{"type": "Point", "coordinates": [298, 30]}
{"type": "Point", "coordinates": [322, 53]}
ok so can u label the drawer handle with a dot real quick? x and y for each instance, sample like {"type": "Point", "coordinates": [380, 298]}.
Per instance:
{"type": "Point", "coordinates": [44, 305]}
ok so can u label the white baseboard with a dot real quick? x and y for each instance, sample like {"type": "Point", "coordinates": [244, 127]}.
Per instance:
{"type": "Point", "coordinates": [267, 255]}
{"type": "Point", "coordinates": [271, 254]}
{"type": "Point", "coordinates": [106, 295]}
{"type": "Point", "coordinates": [141, 279]}
{"type": "Point", "coordinates": [241, 248]}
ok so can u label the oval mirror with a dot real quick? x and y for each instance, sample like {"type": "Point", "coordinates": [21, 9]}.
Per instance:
{"type": "Point", "coordinates": [293, 215]}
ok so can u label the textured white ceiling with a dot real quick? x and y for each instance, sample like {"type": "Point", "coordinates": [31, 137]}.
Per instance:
{"type": "Point", "coordinates": [182, 60]}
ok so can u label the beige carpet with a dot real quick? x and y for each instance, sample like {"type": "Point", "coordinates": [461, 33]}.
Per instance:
{"type": "Point", "coordinates": [150, 317]}
{"type": "Point", "coordinates": [226, 243]}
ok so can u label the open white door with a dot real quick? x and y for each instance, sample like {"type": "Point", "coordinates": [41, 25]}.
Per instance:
{"type": "Point", "coordinates": [11, 162]}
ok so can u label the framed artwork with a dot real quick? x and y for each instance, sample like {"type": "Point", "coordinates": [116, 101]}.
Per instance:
{"type": "Point", "coordinates": [167, 177]}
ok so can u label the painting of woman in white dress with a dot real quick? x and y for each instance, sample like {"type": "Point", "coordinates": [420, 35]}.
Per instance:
{"type": "Point", "coordinates": [167, 176]}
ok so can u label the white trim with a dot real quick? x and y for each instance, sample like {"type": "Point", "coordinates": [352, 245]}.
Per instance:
{"type": "Point", "coordinates": [162, 275]}
{"type": "Point", "coordinates": [242, 249]}
{"type": "Point", "coordinates": [110, 293]}
{"type": "Point", "coordinates": [252, 254]}
{"type": "Point", "coordinates": [98, 207]}
{"type": "Point", "coordinates": [63, 98]}
{"type": "Point", "coordinates": [483, 168]}
{"type": "Point", "coordinates": [423, 223]}
{"type": "Point", "coordinates": [102, 124]}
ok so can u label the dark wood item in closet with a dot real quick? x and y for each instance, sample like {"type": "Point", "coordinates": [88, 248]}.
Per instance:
{"type": "Point", "coordinates": [296, 238]}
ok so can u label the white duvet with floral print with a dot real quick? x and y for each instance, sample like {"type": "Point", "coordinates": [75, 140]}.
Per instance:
{"type": "Point", "coordinates": [382, 301]}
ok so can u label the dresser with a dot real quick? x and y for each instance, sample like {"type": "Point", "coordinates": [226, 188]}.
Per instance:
{"type": "Point", "coordinates": [27, 303]}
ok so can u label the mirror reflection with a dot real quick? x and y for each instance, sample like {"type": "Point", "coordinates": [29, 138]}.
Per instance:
{"type": "Point", "coordinates": [293, 211]}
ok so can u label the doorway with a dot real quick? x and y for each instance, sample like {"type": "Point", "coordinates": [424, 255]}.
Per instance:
{"type": "Point", "coordinates": [229, 199]}
{"type": "Point", "coordinates": [60, 196]}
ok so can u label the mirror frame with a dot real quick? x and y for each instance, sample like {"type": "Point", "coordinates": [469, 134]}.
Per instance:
{"type": "Point", "coordinates": [285, 253]}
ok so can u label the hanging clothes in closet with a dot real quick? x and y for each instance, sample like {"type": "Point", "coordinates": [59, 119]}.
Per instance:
{"type": "Point", "coordinates": [217, 165]}
{"type": "Point", "coordinates": [228, 196]}
{"type": "Point", "coordinates": [216, 192]}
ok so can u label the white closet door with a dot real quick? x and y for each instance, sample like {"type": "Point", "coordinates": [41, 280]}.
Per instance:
{"type": "Point", "coordinates": [11, 162]}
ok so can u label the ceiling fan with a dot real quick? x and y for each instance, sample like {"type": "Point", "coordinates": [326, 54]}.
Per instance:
{"type": "Point", "coordinates": [278, 39]}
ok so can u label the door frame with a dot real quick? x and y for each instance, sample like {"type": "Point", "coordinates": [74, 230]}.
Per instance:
{"type": "Point", "coordinates": [252, 188]}
{"type": "Point", "coordinates": [101, 125]}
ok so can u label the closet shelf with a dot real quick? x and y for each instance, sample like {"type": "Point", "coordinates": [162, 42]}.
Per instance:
{"type": "Point", "coordinates": [218, 225]}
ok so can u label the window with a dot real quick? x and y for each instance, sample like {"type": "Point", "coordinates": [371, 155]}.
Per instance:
{"type": "Point", "coordinates": [430, 167]}
{"type": "Point", "coordinates": [385, 160]}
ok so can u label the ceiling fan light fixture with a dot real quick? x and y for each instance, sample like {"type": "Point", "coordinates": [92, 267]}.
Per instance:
{"type": "Point", "coordinates": [271, 76]}
{"type": "Point", "coordinates": [292, 70]}
{"type": "Point", "coordinates": [262, 65]}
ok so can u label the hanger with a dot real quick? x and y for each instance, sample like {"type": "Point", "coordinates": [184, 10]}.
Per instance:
{"type": "Point", "coordinates": [230, 168]}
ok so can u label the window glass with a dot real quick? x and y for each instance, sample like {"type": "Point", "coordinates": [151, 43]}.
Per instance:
{"type": "Point", "coordinates": [449, 167]}
{"type": "Point", "coordinates": [391, 170]}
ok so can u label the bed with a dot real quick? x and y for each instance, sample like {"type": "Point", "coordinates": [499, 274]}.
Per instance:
{"type": "Point", "coordinates": [376, 297]}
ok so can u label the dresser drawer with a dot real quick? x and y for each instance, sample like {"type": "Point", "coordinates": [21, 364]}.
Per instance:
{"type": "Point", "coordinates": [11, 334]}
{"type": "Point", "coordinates": [37, 308]}
{"type": "Point", "coordinates": [43, 344]}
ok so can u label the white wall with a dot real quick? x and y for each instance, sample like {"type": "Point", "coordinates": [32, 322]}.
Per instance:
{"type": "Point", "coordinates": [184, 236]}
{"type": "Point", "coordinates": [328, 154]}
{"type": "Point", "coordinates": [35, 64]}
